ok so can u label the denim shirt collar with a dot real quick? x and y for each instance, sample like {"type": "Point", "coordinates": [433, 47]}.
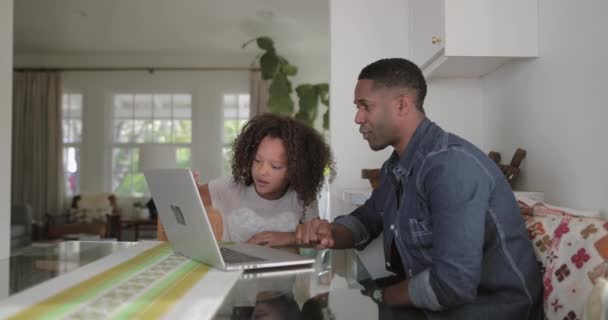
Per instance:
{"type": "Point", "coordinates": [402, 166]}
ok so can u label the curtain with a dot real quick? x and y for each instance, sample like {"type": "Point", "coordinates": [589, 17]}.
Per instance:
{"type": "Point", "coordinates": [37, 153]}
{"type": "Point", "coordinates": [258, 95]}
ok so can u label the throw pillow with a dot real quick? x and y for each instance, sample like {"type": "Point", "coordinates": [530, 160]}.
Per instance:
{"type": "Point", "coordinates": [572, 252]}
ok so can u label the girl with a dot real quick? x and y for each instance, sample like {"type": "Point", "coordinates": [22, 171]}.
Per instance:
{"type": "Point", "coordinates": [277, 172]}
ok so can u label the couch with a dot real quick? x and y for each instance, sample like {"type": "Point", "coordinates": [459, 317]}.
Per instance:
{"type": "Point", "coordinates": [92, 213]}
{"type": "Point", "coordinates": [572, 249]}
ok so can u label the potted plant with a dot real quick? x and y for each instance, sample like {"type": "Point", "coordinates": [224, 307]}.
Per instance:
{"type": "Point", "coordinates": [277, 70]}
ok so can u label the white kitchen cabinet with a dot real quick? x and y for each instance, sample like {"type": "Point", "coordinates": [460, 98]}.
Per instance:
{"type": "Point", "coordinates": [470, 38]}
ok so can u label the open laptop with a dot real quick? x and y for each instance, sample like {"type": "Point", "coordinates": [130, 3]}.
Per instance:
{"type": "Point", "coordinates": [181, 211]}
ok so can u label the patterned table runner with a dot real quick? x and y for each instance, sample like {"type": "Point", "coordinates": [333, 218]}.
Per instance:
{"type": "Point", "coordinates": [146, 286]}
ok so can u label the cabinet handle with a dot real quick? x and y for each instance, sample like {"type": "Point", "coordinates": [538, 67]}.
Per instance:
{"type": "Point", "coordinates": [435, 40]}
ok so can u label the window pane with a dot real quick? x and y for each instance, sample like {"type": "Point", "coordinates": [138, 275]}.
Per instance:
{"type": "Point", "coordinates": [71, 159]}
{"type": "Point", "coordinates": [243, 106]}
{"type": "Point", "coordinates": [143, 106]}
{"type": "Point", "coordinates": [140, 188]}
{"type": "Point", "coordinates": [162, 131]}
{"type": "Point", "coordinates": [147, 118]}
{"type": "Point", "coordinates": [162, 106]}
{"type": "Point", "coordinates": [182, 106]}
{"type": "Point", "coordinates": [231, 130]}
{"type": "Point", "coordinates": [123, 106]}
{"type": "Point", "coordinates": [123, 130]}
{"type": "Point", "coordinates": [183, 157]}
{"type": "Point", "coordinates": [142, 131]}
{"type": "Point", "coordinates": [182, 131]}
{"type": "Point", "coordinates": [227, 158]}
{"type": "Point", "coordinates": [75, 128]}
{"type": "Point", "coordinates": [229, 106]}
{"type": "Point", "coordinates": [65, 102]}
{"type": "Point", "coordinates": [121, 170]}
{"type": "Point", "coordinates": [75, 106]}
{"type": "Point", "coordinates": [65, 130]}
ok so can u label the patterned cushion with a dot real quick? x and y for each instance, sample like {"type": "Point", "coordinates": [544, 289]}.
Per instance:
{"type": "Point", "coordinates": [572, 252]}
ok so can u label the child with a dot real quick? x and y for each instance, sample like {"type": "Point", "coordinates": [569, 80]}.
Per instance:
{"type": "Point", "coordinates": [277, 172]}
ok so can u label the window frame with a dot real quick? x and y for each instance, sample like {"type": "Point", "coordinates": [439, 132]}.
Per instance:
{"type": "Point", "coordinates": [113, 144]}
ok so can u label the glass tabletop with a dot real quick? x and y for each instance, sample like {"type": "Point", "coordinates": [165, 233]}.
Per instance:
{"type": "Point", "coordinates": [337, 286]}
{"type": "Point", "coordinates": [39, 262]}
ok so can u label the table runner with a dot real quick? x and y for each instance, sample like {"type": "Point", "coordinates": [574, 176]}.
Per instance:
{"type": "Point", "coordinates": [146, 286]}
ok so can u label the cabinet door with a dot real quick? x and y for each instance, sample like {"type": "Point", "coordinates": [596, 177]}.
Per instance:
{"type": "Point", "coordinates": [427, 29]}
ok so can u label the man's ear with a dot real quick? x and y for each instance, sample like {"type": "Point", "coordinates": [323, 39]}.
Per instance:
{"type": "Point", "coordinates": [405, 104]}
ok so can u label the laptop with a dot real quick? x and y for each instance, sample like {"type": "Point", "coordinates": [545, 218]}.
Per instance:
{"type": "Point", "coordinates": [181, 211]}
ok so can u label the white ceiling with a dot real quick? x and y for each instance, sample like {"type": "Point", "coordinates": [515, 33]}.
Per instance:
{"type": "Point", "coordinates": [168, 26]}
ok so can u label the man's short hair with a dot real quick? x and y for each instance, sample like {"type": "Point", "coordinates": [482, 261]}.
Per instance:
{"type": "Point", "coordinates": [397, 72]}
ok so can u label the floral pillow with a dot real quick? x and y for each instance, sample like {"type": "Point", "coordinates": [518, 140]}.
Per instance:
{"type": "Point", "coordinates": [573, 252]}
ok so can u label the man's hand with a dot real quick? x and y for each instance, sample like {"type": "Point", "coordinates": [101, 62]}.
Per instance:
{"type": "Point", "coordinates": [316, 232]}
{"type": "Point", "coordinates": [273, 239]}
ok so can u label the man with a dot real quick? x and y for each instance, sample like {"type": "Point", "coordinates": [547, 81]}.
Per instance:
{"type": "Point", "coordinates": [451, 224]}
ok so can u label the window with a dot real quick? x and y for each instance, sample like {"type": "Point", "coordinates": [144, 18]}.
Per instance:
{"type": "Point", "coordinates": [236, 113]}
{"type": "Point", "coordinates": [71, 125]}
{"type": "Point", "coordinates": [147, 118]}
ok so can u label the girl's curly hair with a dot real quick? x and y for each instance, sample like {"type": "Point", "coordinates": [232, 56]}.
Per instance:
{"type": "Point", "coordinates": [308, 155]}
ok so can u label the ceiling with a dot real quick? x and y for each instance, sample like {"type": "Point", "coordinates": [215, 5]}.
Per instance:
{"type": "Point", "coordinates": [169, 26]}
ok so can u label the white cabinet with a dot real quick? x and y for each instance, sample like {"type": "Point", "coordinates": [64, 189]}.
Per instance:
{"type": "Point", "coordinates": [470, 38]}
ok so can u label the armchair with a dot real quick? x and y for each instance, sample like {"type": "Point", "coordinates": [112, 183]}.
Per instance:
{"type": "Point", "coordinates": [94, 213]}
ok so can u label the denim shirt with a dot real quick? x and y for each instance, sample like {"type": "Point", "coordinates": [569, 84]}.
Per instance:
{"type": "Point", "coordinates": [459, 234]}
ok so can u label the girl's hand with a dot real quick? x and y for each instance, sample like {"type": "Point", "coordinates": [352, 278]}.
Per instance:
{"type": "Point", "coordinates": [197, 176]}
{"type": "Point", "coordinates": [273, 239]}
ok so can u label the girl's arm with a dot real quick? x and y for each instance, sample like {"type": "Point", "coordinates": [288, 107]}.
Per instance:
{"type": "Point", "coordinates": [215, 218]}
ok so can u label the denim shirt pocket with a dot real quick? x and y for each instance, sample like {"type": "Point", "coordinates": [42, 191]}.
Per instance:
{"type": "Point", "coordinates": [422, 238]}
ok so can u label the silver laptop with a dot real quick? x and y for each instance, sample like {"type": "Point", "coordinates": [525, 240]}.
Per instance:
{"type": "Point", "coordinates": [181, 211]}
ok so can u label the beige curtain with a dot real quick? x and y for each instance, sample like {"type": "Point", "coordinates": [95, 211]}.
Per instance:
{"type": "Point", "coordinates": [37, 169]}
{"type": "Point", "coordinates": [258, 93]}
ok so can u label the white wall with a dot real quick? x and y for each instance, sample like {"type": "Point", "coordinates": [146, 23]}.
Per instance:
{"type": "Point", "coordinates": [362, 32]}
{"type": "Point", "coordinates": [456, 106]}
{"type": "Point", "coordinates": [555, 108]}
{"type": "Point", "coordinates": [6, 91]}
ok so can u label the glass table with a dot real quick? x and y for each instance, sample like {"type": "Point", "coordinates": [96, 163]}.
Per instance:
{"type": "Point", "coordinates": [332, 288]}
{"type": "Point", "coordinates": [39, 262]}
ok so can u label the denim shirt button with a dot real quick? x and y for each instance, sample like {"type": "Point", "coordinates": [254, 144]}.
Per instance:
{"type": "Point", "coordinates": [392, 227]}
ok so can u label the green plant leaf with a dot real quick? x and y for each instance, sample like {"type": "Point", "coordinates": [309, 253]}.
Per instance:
{"type": "Point", "coordinates": [289, 69]}
{"type": "Point", "coordinates": [269, 63]}
{"type": "Point", "coordinates": [265, 43]}
{"type": "Point", "coordinates": [326, 120]}
{"type": "Point", "coordinates": [323, 89]}
{"type": "Point", "coordinates": [279, 100]}
{"type": "Point", "coordinates": [308, 101]}
{"type": "Point", "coordinates": [304, 118]}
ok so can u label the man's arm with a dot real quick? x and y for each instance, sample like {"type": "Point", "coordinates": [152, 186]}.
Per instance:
{"type": "Point", "coordinates": [458, 190]}
{"type": "Point", "coordinates": [397, 294]}
{"type": "Point", "coordinates": [323, 234]}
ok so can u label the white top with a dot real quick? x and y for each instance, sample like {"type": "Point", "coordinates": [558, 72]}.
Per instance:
{"type": "Point", "coordinates": [246, 214]}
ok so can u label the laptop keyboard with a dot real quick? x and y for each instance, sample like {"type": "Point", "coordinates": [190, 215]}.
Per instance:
{"type": "Point", "coordinates": [231, 256]}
